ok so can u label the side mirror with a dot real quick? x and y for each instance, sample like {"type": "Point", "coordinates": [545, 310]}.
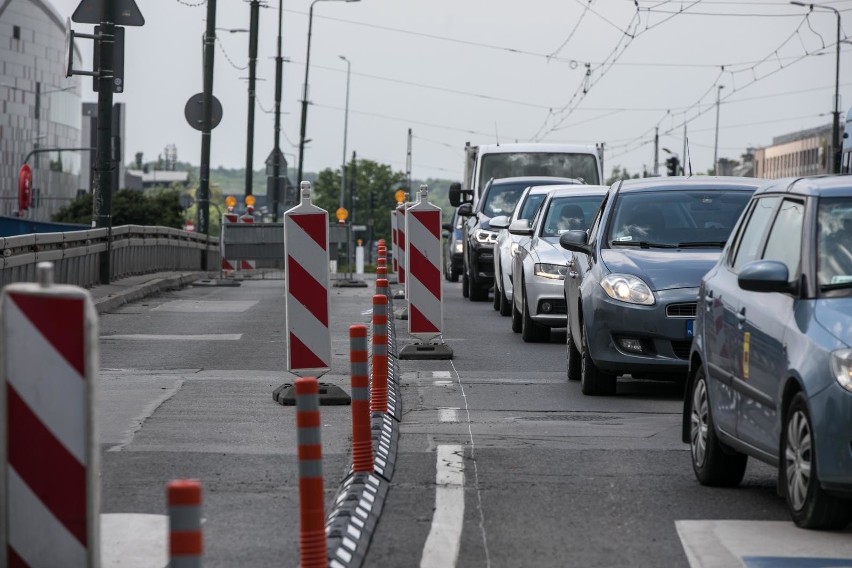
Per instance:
{"type": "Point", "coordinates": [459, 195]}
{"type": "Point", "coordinates": [765, 276]}
{"type": "Point", "coordinates": [465, 210]}
{"type": "Point", "coordinates": [499, 222]}
{"type": "Point", "coordinates": [447, 227]}
{"type": "Point", "coordinates": [445, 234]}
{"type": "Point", "coordinates": [575, 241]}
{"type": "Point", "coordinates": [521, 227]}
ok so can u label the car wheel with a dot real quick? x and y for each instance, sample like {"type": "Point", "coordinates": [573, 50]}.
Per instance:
{"type": "Point", "coordinates": [476, 293]}
{"type": "Point", "coordinates": [517, 318]}
{"type": "Point", "coordinates": [454, 275]}
{"type": "Point", "coordinates": [810, 506]}
{"type": "Point", "coordinates": [531, 332]}
{"type": "Point", "coordinates": [573, 357]}
{"type": "Point", "coordinates": [593, 381]}
{"type": "Point", "coordinates": [505, 304]}
{"type": "Point", "coordinates": [496, 302]}
{"type": "Point", "coordinates": [713, 463]}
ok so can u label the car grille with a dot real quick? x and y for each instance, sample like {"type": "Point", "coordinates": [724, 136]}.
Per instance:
{"type": "Point", "coordinates": [681, 348]}
{"type": "Point", "coordinates": [681, 310]}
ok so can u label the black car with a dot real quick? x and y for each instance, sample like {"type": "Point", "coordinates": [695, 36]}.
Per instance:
{"type": "Point", "coordinates": [453, 261]}
{"type": "Point", "coordinates": [499, 197]}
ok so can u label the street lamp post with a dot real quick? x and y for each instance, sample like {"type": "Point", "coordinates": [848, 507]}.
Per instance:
{"type": "Point", "coordinates": [276, 150]}
{"type": "Point", "coordinates": [716, 143]}
{"type": "Point", "coordinates": [835, 127]}
{"type": "Point", "coordinates": [253, 25]}
{"type": "Point", "coordinates": [304, 120]}
{"type": "Point", "coordinates": [345, 129]}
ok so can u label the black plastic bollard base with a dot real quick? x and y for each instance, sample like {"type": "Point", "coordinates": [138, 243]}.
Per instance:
{"type": "Point", "coordinates": [426, 351]}
{"type": "Point", "coordinates": [329, 395]}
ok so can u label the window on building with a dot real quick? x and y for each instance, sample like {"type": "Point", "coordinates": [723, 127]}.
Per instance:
{"type": "Point", "coordinates": [16, 32]}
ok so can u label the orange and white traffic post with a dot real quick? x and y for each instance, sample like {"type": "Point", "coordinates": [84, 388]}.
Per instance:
{"type": "Point", "coordinates": [49, 461]}
{"type": "Point", "coordinates": [248, 218]}
{"type": "Point", "coordinates": [186, 541]}
{"type": "Point", "coordinates": [307, 280]}
{"type": "Point", "coordinates": [379, 388]}
{"type": "Point", "coordinates": [423, 290]}
{"type": "Point", "coordinates": [228, 265]}
{"type": "Point", "coordinates": [313, 547]}
{"type": "Point", "coordinates": [362, 440]}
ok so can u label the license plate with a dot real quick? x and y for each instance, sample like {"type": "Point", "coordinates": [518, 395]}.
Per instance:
{"type": "Point", "coordinates": [690, 328]}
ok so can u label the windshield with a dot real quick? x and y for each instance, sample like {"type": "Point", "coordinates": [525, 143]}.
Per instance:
{"type": "Point", "coordinates": [569, 214]}
{"type": "Point", "coordinates": [539, 164]}
{"type": "Point", "coordinates": [835, 243]}
{"type": "Point", "coordinates": [673, 218]}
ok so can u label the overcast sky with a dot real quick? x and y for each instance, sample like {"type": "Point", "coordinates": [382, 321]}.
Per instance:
{"type": "Point", "coordinates": [486, 70]}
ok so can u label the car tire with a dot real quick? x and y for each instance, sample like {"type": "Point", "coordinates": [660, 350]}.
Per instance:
{"type": "Point", "coordinates": [531, 332]}
{"type": "Point", "coordinates": [517, 318]}
{"type": "Point", "coordinates": [714, 464]}
{"type": "Point", "coordinates": [593, 381]}
{"type": "Point", "coordinates": [573, 363]}
{"type": "Point", "coordinates": [505, 304]}
{"type": "Point", "coordinates": [465, 286]}
{"type": "Point", "coordinates": [476, 293]}
{"type": "Point", "coordinates": [496, 302]}
{"type": "Point", "coordinates": [810, 506]}
{"type": "Point", "coordinates": [454, 276]}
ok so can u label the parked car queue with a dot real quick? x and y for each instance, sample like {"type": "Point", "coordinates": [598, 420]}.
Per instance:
{"type": "Point", "coordinates": [740, 288]}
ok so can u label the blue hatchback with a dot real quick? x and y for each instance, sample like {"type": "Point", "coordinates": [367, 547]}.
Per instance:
{"type": "Point", "coordinates": [771, 365]}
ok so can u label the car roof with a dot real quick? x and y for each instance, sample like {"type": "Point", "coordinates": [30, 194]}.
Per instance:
{"type": "Point", "coordinates": [543, 148]}
{"type": "Point", "coordinates": [577, 191]}
{"type": "Point", "coordinates": [539, 189]}
{"type": "Point", "coordinates": [694, 182]}
{"type": "Point", "coordinates": [818, 186]}
{"type": "Point", "coordinates": [533, 180]}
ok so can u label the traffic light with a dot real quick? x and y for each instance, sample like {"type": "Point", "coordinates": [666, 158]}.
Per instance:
{"type": "Point", "coordinates": [672, 165]}
{"type": "Point", "coordinates": [372, 200]}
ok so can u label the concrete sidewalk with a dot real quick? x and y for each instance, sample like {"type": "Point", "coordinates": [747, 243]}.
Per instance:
{"type": "Point", "coordinates": [110, 296]}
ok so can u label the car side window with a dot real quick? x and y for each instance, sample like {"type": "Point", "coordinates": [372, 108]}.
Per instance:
{"type": "Point", "coordinates": [748, 248]}
{"type": "Point", "coordinates": [596, 223]}
{"type": "Point", "coordinates": [785, 238]}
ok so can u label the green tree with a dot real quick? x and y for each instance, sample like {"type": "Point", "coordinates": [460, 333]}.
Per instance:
{"type": "Point", "coordinates": [129, 207]}
{"type": "Point", "coordinates": [619, 173]}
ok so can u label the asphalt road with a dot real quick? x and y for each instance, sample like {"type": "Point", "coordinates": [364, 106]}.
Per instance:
{"type": "Point", "coordinates": [549, 477]}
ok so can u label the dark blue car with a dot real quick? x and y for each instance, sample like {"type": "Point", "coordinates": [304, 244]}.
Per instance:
{"type": "Point", "coordinates": [632, 282]}
{"type": "Point", "coordinates": [771, 365]}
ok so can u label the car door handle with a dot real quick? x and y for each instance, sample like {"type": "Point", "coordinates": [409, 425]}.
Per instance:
{"type": "Point", "coordinates": [708, 297]}
{"type": "Point", "coordinates": [572, 274]}
{"type": "Point", "coordinates": [741, 316]}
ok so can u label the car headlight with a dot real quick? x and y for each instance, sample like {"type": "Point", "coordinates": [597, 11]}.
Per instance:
{"type": "Point", "coordinates": [553, 271]}
{"type": "Point", "coordinates": [627, 288]}
{"type": "Point", "coordinates": [485, 237]}
{"type": "Point", "coordinates": [841, 366]}
{"type": "Point", "coordinates": [458, 247]}
{"type": "Point", "coordinates": [514, 249]}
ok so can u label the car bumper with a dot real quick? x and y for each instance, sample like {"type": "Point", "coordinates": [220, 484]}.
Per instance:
{"type": "Point", "coordinates": [831, 415]}
{"type": "Point", "coordinates": [483, 265]}
{"type": "Point", "coordinates": [543, 293]}
{"type": "Point", "coordinates": [665, 341]}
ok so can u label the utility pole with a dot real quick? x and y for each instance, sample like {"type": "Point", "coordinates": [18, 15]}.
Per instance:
{"type": "Point", "coordinates": [276, 151]}
{"type": "Point", "coordinates": [657, 151]}
{"type": "Point", "coordinates": [351, 211]}
{"type": "Point", "coordinates": [207, 121]}
{"type": "Point", "coordinates": [685, 148]}
{"type": "Point", "coordinates": [255, 9]}
{"type": "Point", "coordinates": [716, 143]}
{"type": "Point", "coordinates": [104, 163]}
{"type": "Point", "coordinates": [345, 129]}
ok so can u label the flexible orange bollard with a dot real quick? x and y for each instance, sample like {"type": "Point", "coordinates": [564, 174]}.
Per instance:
{"type": "Point", "coordinates": [313, 548]}
{"type": "Point", "coordinates": [382, 288]}
{"type": "Point", "coordinates": [381, 272]}
{"type": "Point", "coordinates": [185, 538]}
{"type": "Point", "coordinates": [379, 391]}
{"type": "Point", "coordinates": [362, 441]}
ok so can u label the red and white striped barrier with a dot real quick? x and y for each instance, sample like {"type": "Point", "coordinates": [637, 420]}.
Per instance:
{"type": "Point", "coordinates": [423, 254]}
{"type": "Point", "coordinates": [399, 265]}
{"type": "Point", "coordinates": [394, 243]}
{"type": "Point", "coordinates": [49, 482]}
{"type": "Point", "coordinates": [307, 303]}
{"type": "Point", "coordinates": [228, 264]}
{"type": "Point", "coordinates": [186, 541]}
{"type": "Point", "coordinates": [248, 218]}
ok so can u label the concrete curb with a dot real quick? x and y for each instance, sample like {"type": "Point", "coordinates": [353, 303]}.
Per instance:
{"type": "Point", "coordinates": [148, 288]}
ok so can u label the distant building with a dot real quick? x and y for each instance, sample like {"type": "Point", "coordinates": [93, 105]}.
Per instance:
{"type": "Point", "coordinates": [140, 179]}
{"type": "Point", "coordinates": [802, 153]}
{"type": "Point", "coordinates": [39, 107]}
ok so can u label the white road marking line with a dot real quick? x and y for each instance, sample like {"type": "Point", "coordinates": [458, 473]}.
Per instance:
{"type": "Point", "coordinates": [441, 375]}
{"type": "Point", "coordinates": [134, 540]}
{"type": "Point", "coordinates": [443, 383]}
{"type": "Point", "coordinates": [202, 337]}
{"type": "Point", "coordinates": [448, 414]}
{"type": "Point", "coordinates": [206, 306]}
{"type": "Point", "coordinates": [442, 545]}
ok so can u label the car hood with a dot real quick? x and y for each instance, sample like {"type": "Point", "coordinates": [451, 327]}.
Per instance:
{"type": "Point", "coordinates": [835, 315]}
{"type": "Point", "coordinates": [547, 250]}
{"type": "Point", "coordinates": [485, 222]}
{"type": "Point", "coordinates": [662, 269]}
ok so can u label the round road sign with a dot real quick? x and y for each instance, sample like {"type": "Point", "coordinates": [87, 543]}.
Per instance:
{"type": "Point", "coordinates": [194, 112]}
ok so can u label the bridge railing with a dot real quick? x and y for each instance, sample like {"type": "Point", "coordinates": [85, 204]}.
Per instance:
{"type": "Point", "coordinates": [76, 255]}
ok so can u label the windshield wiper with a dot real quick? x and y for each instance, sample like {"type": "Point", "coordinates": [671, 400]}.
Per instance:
{"type": "Point", "coordinates": [835, 286]}
{"type": "Point", "coordinates": [642, 244]}
{"type": "Point", "coordinates": [701, 244]}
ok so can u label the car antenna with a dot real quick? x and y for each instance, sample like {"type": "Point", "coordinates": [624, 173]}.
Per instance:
{"type": "Point", "coordinates": [688, 156]}
{"type": "Point", "coordinates": [496, 133]}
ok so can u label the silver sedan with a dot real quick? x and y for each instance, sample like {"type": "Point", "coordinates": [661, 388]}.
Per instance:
{"type": "Point", "coordinates": [540, 265]}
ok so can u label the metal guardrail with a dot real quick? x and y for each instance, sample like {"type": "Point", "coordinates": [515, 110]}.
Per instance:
{"type": "Point", "coordinates": [135, 250]}
{"type": "Point", "coordinates": [265, 241]}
